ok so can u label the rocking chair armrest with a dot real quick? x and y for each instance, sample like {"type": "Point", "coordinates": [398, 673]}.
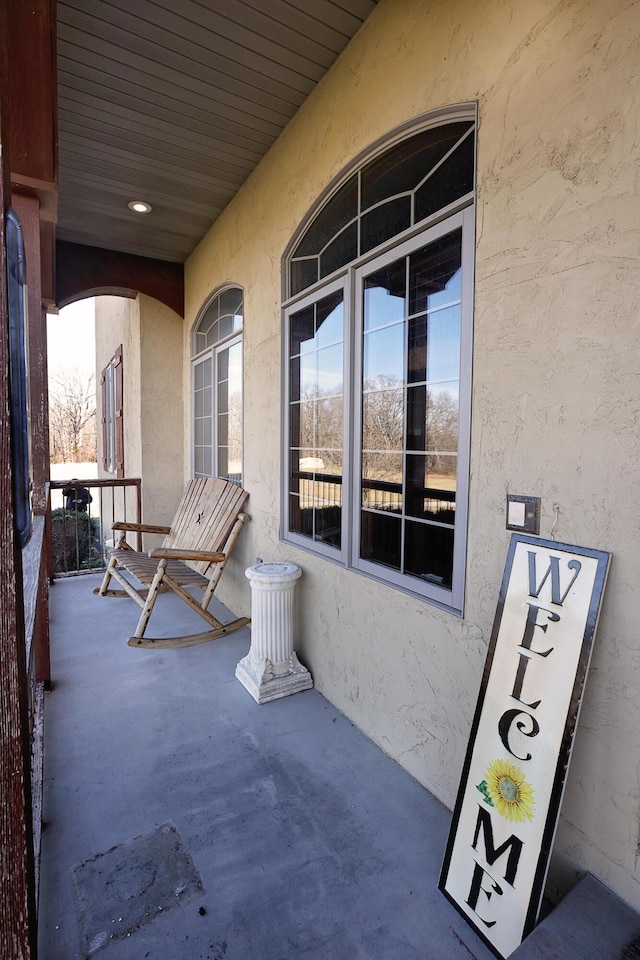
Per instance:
{"type": "Point", "coordinates": [140, 527]}
{"type": "Point", "coordinates": [171, 553]}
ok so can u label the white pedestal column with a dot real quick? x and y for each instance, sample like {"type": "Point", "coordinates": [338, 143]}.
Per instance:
{"type": "Point", "coordinates": [271, 668]}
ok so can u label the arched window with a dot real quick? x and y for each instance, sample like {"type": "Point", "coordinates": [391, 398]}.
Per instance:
{"type": "Point", "coordinates": [378, 330]}
{"type": "Point", "coordinates": [216, 351]}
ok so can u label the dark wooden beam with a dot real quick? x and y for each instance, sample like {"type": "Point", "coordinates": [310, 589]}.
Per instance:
{"type": "Point", "coordinates": [31, 102]}
{"type": "Point", "coordinates": [31, 115]}
{"type": "Point", "coordinates": [83, 271]}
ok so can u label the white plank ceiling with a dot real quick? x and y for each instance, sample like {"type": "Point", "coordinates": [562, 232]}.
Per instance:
{"type": "Point", "coordinates": [175, 102]}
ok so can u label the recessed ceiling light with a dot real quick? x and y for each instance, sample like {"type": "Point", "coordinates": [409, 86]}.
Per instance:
{"type": "Point", "coordinates": [139, 206]}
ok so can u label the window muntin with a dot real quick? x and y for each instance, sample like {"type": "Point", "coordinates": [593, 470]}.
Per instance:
{"type": "Point", "coordinates": [411, 313]}
{"type": "Point", "coordinates": [394, 191]}
{"type": "Point", "coordinates": [222, 318]}
{"type": "Point", "coordinates": [316, 411]}
{"type": "Point", "coordinates": [229, 411]}
{"type": "Point", "coordinates": [397, 505]}
{"type": "Point", "coordinates": [217, 387]}
{"type": "Point", "coordinates": [203, 417]}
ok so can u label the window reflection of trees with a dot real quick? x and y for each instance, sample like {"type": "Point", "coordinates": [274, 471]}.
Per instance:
{"type": "Point", "coordinates": [427, 472]}
{"type": "Point", "coordinates": [320, 434]}
{"type": "Point", "coordinates": [384, 427]}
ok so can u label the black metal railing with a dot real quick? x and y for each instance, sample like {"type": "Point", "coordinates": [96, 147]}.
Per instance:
{"type": "Point", "coordinates": [325, 489]}
{"type": "Point", "coordinates": [82, 517]}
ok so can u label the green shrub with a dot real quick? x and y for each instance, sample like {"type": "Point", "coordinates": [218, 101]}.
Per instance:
{"type": "Point", "coordinates": [75, 540]}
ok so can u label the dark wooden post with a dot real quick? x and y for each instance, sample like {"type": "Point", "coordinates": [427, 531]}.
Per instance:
{"type": "Point", "coordinates": [17, 893]}
{"type": "Point", "coordinates": [28, 209]}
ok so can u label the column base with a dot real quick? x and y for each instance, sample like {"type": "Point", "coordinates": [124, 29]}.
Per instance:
{"type": "Point", "coordinates": [257, 677]}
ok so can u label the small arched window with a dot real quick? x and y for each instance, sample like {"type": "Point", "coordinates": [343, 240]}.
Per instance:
{"type": "Point", "coordinates": [378, 327]}
{"type": "Point", "coordinates": [216, 351]}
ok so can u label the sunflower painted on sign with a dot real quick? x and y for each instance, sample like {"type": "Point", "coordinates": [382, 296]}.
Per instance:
{"type": "Point", "coordinates": [505, 788]}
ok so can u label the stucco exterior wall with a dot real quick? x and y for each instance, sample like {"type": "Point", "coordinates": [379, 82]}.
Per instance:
{"type": "Point", "coordinates": [161, 410]}
{"type": "Point", "coordinates": [556, 374]}
{"type": "Point", "coordinates": [118, 322]}
{"type": "Point", "coordinates": [151, 337]}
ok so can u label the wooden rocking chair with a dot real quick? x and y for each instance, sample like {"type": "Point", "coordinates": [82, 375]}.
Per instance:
{"type": "Point", "coordinates": [195, 551]}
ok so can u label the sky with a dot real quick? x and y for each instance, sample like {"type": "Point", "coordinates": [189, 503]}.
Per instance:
{"type": "Point", "coordinates": [71, 338]}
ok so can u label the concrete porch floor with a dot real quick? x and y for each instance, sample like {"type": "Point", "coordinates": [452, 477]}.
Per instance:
{"type": "Point", "coordinates": [309, 842]}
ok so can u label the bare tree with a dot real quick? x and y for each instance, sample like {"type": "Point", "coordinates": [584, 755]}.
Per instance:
{"type": "Point", "coordinates": [383, 414]}
{"type": "Point", "coordinates": [72, 417]}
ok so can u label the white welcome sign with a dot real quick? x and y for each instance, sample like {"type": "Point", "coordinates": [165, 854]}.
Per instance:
{"type": "Point", "coordinates": [514, 773]}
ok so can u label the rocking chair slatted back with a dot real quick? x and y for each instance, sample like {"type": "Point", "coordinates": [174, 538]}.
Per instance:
{"type": "Point", "coordinates": [205, 517]}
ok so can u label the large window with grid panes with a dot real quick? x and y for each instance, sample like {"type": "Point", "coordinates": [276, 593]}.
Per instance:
{"type": "Point", "coordinates": [378, 345]}
{"type": "Point", "coordinates": [216, 365]}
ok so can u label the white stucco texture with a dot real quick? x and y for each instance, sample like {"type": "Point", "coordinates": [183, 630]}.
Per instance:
{"type": "Point", "coordinates": [555, 380]}
{"type": "Point", "coordinates": [151, 338]}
